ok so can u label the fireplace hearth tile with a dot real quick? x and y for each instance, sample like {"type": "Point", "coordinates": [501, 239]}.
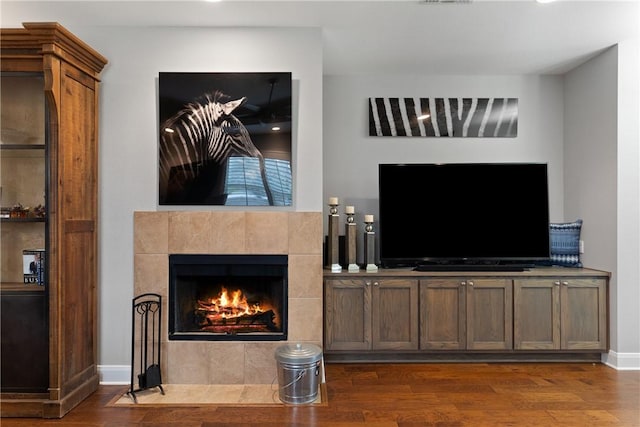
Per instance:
{"type": "Point", "coordinates": [214, 394]}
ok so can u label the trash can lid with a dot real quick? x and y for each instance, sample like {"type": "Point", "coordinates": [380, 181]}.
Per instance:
{"type": "Point", "coordinates": [298, 353]}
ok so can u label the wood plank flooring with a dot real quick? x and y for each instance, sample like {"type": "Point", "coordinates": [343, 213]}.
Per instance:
{"type": "Point", "coordinates": [408, 395]}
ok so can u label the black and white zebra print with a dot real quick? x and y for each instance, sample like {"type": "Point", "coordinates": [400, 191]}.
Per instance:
{"type": "Point", "coordinates": [452, 117]}
{"type": "Point", "coordinates": [194, 146]}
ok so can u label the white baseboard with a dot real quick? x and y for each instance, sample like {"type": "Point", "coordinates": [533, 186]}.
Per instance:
{"type": "Point", "coordinates": [114, 374]}
{"type": "Point", "coordinates": [622, 361]}
{"type": "Point", "coordinates": [121, 374]}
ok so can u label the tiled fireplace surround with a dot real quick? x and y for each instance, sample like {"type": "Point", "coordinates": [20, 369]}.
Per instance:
{"type": "Point", "coordinates": [296, 234]}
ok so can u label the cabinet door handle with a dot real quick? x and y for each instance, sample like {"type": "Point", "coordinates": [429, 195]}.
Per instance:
{"type": "Point", "coordinates": [470, 283]}
{"type": "Point", "coordinates": [463, 283]}
{"type": "Point", "coordinates": [376, 284]}
{"type": "Point", "coordinates": [565, 283]}
{"type": "Point", "coordinates": [557, 283]}
{"type": "Point", "coordinates": [367, 283]}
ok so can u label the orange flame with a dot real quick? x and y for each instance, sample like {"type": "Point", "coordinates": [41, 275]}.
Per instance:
{"type": "Point", "coordinates": [232, 304]}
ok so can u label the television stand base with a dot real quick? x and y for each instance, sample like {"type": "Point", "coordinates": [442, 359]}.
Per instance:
{"type": "Point", "coordinates": [471, 267]}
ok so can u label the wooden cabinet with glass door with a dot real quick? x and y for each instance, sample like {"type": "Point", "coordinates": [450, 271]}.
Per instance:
{"type": "Point", "coordinates": [48, 150]}
{"type": "Point", "coordinates": [23, 297]}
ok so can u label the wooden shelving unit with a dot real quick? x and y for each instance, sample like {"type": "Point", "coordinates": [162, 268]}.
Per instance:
{"type": "Point", "coordinates": [49, 153]}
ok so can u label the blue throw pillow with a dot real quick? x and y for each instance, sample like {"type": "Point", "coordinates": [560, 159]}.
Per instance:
{"type": "Point", "coordinates": [565, 243]}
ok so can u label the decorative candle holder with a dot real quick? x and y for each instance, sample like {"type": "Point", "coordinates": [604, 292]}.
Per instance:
{"type": "Point", "coordinates": [350, 240]}
{"type": "Point", "coordinates": [333, 241]}
{"type": "Point", "coordinates": [369, 245]}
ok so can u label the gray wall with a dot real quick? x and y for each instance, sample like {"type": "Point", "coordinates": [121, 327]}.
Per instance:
{"type": "Point", "coordinates": [591, 163]}
{"type": "Point", "coordinates": [128, 137]}
{"type": "Point", "coordinates": [583, 124]}
{"type": "Point", "coordinates": [601, 177]}
{"type": "Point", "coordinates": [333, 156]}
{"type": "Point", "coordinates": [351, 157]}
{"type": "Point", "coordinates": [128, 156]}
{"type": "Point", "coordinates": [602, 182]}
{"type": "Point", "coordinates": [628, 206]}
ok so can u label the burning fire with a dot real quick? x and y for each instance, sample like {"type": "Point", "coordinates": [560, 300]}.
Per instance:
{"type": "Point", "coordinates": [233, 305]}
{"type": "Point", "coordinates": [228, 305]}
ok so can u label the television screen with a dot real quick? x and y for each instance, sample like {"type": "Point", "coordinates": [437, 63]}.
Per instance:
{"type": "Point", "coordinates": [463, 213]}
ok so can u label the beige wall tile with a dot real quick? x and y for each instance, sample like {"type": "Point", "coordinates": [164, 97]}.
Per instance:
{"type": "Point", "coordinates": [189, 232]}
{"type": "Point", "coordinates": [226, 233]}
{"type": "Point", "coordinates": [226, 362]}
{"type": "Point", "coordinates": [151, 274]}
{"type": "Point", "coordinates": [267, 232]}
{"type": "Point", "coordinates": [187, 362]}
{"type": "Point", "coordinates": [260, 362]}
{"type": "Point", "coordinates": [305, 233]}
{"type": "Point", "coordinates": [305, 276]}
{"type": "Point", "coordinates": [305, 319]}
{"type": "Point", "coordinates": [298, 234]}
{"type": "Point", "coordinates": [150, 232]}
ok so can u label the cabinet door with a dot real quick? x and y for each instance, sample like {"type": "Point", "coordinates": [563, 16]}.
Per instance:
{"type": "Point", "coordinates": [25, 345]}
{"type": "Point", "coordinates": [489, 314]}
{"type": "Point", "coordinates": [583, 309]}
{"type": "Point", "coordinates": [23, 168]}
{"type": "Point", "coordinates": [442, 314]}
{"type": "Point", "coordinates": [394, 314]}
{"type": "Point", "coordinates": [347, 322]}
{"type": "Point", "coordinates": [536, 314]}
{"type": "Point", "coordinates": [24, 333]}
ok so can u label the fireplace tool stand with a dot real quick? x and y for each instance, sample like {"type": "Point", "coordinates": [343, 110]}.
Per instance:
{"type": "Point", "coordinates": [145, 343]}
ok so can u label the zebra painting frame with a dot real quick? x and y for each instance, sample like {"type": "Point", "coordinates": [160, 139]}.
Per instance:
{"type": "Point", "coordinates": [225, 138]}
{"type": "Point", "coordinates": [444, 117]}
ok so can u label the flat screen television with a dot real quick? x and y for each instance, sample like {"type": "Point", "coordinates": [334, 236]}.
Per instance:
{"type": "Point", "coordinates": [463, 213]}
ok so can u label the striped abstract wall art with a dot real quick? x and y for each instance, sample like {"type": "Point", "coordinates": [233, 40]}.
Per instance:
{"type": "Point", "coordinates": [452, 117]}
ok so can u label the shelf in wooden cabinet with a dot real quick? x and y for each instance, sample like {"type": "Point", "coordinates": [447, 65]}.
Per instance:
{"type": "Point", "coordinates": [22, 146]}
{"type": "Point", "coordinates": [20, 287]}
{"type": "Point", "coordinates": [31, 219]}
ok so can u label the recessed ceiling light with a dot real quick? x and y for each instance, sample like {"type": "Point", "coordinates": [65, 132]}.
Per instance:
{"type": "Point", "coordinates": [545, 1]}
{"type": "Point", "coordinates": [275, 128]}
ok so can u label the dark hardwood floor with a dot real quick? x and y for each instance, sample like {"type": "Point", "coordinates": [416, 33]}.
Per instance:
{"type": "Point", "coordinates": [408, 395]}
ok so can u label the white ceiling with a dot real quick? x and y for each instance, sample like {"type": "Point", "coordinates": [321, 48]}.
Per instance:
{"type": "Point", "coordinates": [388, 36]}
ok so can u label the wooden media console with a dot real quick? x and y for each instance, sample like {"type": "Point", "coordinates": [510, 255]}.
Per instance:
{"type": "Point", "coordinates": [395, 315]}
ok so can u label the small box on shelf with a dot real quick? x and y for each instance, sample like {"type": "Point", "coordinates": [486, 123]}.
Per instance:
{"type": "Point", "coordinates": [33, 266]}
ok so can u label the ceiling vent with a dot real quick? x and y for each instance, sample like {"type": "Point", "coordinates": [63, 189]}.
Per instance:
{"type": "Point", "coordinates": [446, 1]}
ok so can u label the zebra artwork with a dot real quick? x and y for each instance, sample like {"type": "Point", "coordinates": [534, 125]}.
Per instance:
{"type": "Point", "coordinates": [195, 146]}
{"type": "Point", "coordinates": [451, 117]}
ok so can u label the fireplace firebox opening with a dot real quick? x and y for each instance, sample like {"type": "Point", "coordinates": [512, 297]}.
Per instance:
{"type": "Point", "coordinates": [228, 297]}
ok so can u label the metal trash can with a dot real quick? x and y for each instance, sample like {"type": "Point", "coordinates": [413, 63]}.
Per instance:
{"type": "Point", "coordinates": [298, 372]}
